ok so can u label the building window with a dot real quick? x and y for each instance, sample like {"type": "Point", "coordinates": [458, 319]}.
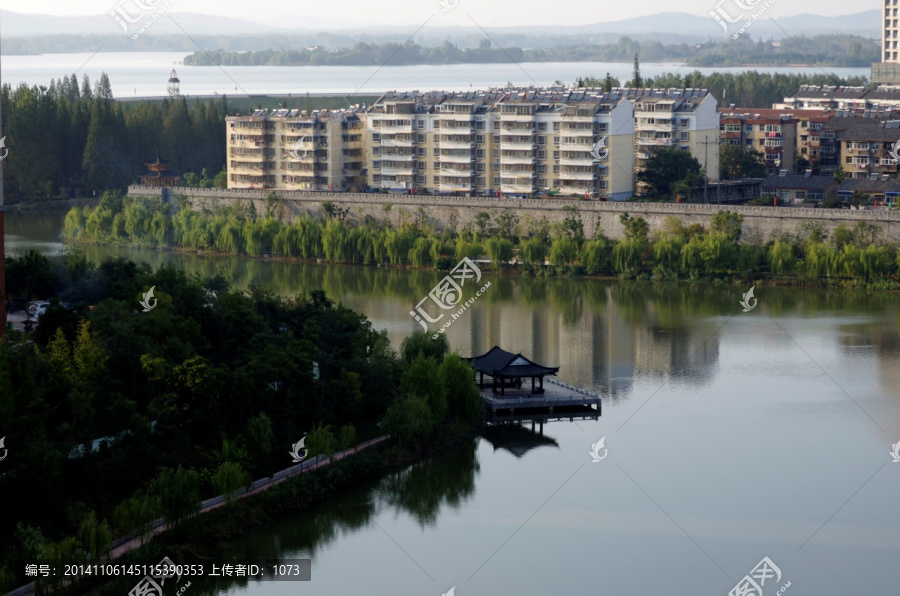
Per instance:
{"type": "Point", "coordinates": [420, 151]}
{"type": "Point", "coordinates": [420, 138]}
{"type": "Point", "coordinates": [479, 138]}
{"type": "Point", "coordinates": [479, 152]}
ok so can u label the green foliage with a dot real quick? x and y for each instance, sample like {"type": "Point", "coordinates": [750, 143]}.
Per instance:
{"type": "Point", "coordinates": [178, 492]}
{"type": "Point", "coordinates": [500, 251]}
{"type": "Point", "coordinates": [635, 227]}
{"type": "Point", "coordinates": [595, 255]}
{"type": "Point", "coordinates": [229, 478]}
{"type": "Point", "coordinates": [463, 396]}
{"type": "Point", "coordinates": [736, 163]}
{"type": "Point", "coordinates": [321, 440]}
{"type": "Point", "coordinates": [409, 419]}
{"type": "Point", "coordinates": [562, 252]}
{"type": "Point", "coordinates": [422, 379]}
{"type": "Point", "coordinates": [628, 256]}
{"type": "Point", "coordinates": [421, 344]}
{"type": "Point", "coordinates": [781, 258]}
{"type": "Point", "coordinates": [665, 167]}
{"type": "Point", "coordinates": [348, 436]}
{"type": "Point", "coordinates": [533, 252]}
{"type": "Point", "coordinates": [728, 224]}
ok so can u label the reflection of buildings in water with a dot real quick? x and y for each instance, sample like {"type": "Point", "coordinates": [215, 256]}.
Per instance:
{"type": "Point", "coordinates": [676, 353]}
{"type": "Point", "coordinates": [864, 341]}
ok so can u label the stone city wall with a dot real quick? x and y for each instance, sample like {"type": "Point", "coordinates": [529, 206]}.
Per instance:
{"type": "Point", "coordinates": [759, 222]}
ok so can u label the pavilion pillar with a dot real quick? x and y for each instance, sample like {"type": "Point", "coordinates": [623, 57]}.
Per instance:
{"type": "Point", "coordinates": [542, 384]}
{"type": "Point", "coordinates": [532, 385]}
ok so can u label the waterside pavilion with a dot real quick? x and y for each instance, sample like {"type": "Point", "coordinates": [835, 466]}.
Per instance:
{"type": "Point", "coordinates": [505, 392]}
{"type": "Point", "coordinates": [158, 173]}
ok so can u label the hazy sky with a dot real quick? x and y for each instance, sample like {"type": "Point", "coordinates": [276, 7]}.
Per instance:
{"type": "Point", "coordinates": [405, 12]}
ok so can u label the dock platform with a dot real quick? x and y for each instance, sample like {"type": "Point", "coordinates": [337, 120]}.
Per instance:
{"type": "Point", "coordinates": [557, 396]}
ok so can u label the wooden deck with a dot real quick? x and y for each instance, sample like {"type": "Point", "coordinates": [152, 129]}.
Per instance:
{"type": "Point", "coordinates": [557, 396]}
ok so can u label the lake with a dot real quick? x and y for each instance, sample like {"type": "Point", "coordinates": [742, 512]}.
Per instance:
{"type": "Point", "coordinates": [731, 437]}
{"type": "Point", "coordinates": [145, 74]}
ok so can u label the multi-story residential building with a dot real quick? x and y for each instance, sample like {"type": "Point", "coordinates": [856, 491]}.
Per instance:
{"type": "Point", "coordinates": [774, 136]}
{"type": "Point", "coordinates": [509, 141]}
{"type": "Point", "coordinates": [860, 144]}
{"type": "Point", "coordinates": [680, 118]}
{"type": "Point", "coordinates": [814, 97]}
{"type": "Point", "coordinates": [291, 150]}
{"type": "Point", "coordinates": [888, 70]}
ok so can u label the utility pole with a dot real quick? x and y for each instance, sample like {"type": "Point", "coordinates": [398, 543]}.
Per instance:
{"type": "Point", "coordinates": [706, 143]}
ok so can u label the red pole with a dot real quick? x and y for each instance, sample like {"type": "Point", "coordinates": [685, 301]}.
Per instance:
{"type": "Point", "coordinates": [2, 252]}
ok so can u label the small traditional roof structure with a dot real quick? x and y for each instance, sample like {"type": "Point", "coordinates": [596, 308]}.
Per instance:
{"type": "Point", "coordinates": [500, 363]}
{"type": "Point", "coordinates": [158, 173]}
{"type": "Point", "coordinates": [505, 366]}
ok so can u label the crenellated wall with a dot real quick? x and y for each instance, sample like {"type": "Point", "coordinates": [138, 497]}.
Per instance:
{"type": "Point", "coordinates": [762, 222]}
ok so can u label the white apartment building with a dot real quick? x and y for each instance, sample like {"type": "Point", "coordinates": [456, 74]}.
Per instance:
{"type": "Point", "coordinates": [291, 150]}
{"type": "Point", "coordinates": [509, 141]}
{"type": "Point", "coordinates": [685, 119]}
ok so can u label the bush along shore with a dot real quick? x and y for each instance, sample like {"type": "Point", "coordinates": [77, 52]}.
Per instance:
{"type": "Point", "coordinates": [126, 416]}
{"type": "Point", "coordinates": [851, 257]}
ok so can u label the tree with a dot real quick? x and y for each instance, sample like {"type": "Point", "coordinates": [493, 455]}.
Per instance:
{"type": "Point", "coordinates": [178, 493]}
{"type": "Point", "coordinates": [463, 396]}
{"type": "Point", "coordinates": [229, 478]}
{"type": "Point", "coordinates": [95, 536]}
{"type": "Point", "coordinates": [321, 440]}
{"type": "Point", "coordinates": [635, 227]}
{"type": "Point", "coordinates": [533, 252]}
{"type": "Point", "coordinates": [735, 163]}
{"type": "Point", "coordinates": [422, 379]}
{"type": "Point", "coordinates": [483, 222]}
{"type": "Point", "coordinates": [729, 224]}
{"type": "Point", "coordinates": [420, 343]}
{"type": "Point", "coordinates": [500, 250]}
{"type": "Point", "coordinates": [636, 81]}
{"type": "Point", "coordinates": [667, 166]}
{"type": "Point", "coordinates": [508, 223]}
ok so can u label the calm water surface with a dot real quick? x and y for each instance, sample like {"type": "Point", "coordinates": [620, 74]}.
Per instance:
{"type": "Point", "coordinates": [731, 436]}
{"type": "Point", "coordinates": [140, 74]}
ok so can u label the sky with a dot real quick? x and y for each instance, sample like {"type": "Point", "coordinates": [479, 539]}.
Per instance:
{"type": "Point", "coordinates": [487, 13]}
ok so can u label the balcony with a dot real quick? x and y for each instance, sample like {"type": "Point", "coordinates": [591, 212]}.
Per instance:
{"type": "Point", "coordinates": [517, 159]}
{"type": "Point", "coordinates": [460, 142]}
{"type": "Point", "coordinates": [576, 176]}
{"type": "Point", "coordinates": [396, 156]}
{"type": "Point", "coordinates": [458, 170]}
{"type": "Point", "coordinates": [570, 146]}
{"type": "Point", "coordinates": [454, 186]}
{"type": "Point", "coordinates": [657, 127]}
{"type": "Point", "coordinates": [657, 142]}
{"type": "Point", "coordinates": [394, 142]}
{"type": "Point", "coordinates": [584, 160]}
{"type": "Point", "coordinates": [467, 158]}
{"type": "Point", "coordinates": [576, 115]}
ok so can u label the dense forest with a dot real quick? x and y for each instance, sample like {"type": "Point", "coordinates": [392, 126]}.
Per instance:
{"type": "Point", "coordinates": [197, 397]}
{"type": "Point", "coordinates": [69, 139]}
{"type": "Point", "coordinates": [855, 256]}
{"type": "Point", "coordinates": [822, 50]}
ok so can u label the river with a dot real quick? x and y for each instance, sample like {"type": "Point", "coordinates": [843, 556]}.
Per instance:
{"type": "Point", "coordinates": [145, 74]}
{"type": "Point", "coordinates": [731, 437]}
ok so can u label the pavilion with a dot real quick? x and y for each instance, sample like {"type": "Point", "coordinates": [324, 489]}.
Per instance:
{"type": "Point", "coordinates": [508, 369]}
{"type": "Point", "coordinates": [158, 173]}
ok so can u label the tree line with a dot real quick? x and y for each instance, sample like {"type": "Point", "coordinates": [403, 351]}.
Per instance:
{"type": "Point", "coordinates": [69, 139]}
{"type": "Point", "coordinates": [403, 238]}
{"type": "Point", "coordinates": [192, 399]}
{"type": "Point", "coordinates": [824, 50]}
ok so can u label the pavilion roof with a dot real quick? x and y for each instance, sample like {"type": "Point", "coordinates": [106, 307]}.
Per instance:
{"type": "Point", "coordinates": [500, 363]}
{"type": "Point", "coordinates": [157, 161]}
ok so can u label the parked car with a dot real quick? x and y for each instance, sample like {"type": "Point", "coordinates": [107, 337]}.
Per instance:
{"type": "Point", "coordinates": [37, 308]}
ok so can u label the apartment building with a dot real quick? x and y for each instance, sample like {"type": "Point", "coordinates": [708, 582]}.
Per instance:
{"type": "Point", "coordinates": [509, 141]}
{"type": "Point", "coordinates": [815, 97]}
{"type": "Point", "coordinates": [292, 150]}
{"type": "Point", "coordinates": [860, 144]}
{"type": "Point", "coordinates": [675, 118]}
{"type": "Point", "coordinates": [772, 135]}
{"type": "Point", "coordinates": [888, 70]}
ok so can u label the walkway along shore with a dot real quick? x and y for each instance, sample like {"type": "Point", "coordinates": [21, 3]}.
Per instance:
{"type": "Point", "coordinates": [134, 539]}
